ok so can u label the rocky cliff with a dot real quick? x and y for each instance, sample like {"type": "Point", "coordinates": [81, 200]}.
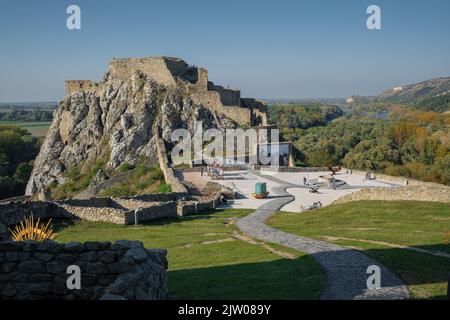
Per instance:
{"type": "Point", "coordinates": [119, 118]}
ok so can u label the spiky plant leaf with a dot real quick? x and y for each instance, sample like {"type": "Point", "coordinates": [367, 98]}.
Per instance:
{"type": "Point", "coordinates": [29, 229]}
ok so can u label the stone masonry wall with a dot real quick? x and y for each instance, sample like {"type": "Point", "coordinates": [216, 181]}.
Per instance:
{"type": "Point", "coordinates": [157, 211]}
{"type": "Point", "coordinates": [424, 192]}
{"type": "Point", "coordinates": [154, 67]}
{"type": "Point", "coordinates": [13, 213]}
{"type": "Point", "coordinates": [228, 97]}
{"type": "Point", "coordinates": [73, 86]}
{"type": "Point", "coordinates": [192, 207]}
{"type": "Point", "coordinates": [384, 177]}
{"type": "Point", "coordinates": [124, 270]}
{"type": "Point", "coordinates": [292, 169]}
{"type": "Point", "coordinates": [100, 214]}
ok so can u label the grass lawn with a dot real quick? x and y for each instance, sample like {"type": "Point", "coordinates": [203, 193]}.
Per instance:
{"type": "Point", "coordinates": [379, 228]}
{"type": "Point", "coordinates": [206, 262]}
{"type": "Point", "coordinates": [37, 129]}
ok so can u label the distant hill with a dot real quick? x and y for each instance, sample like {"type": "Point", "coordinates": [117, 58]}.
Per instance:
{"type": "Point", "coordinates": [432, 95]}
{"type": "Point", "coordinates": [29, 106]}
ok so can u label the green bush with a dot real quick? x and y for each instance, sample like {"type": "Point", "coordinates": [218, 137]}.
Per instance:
{"type": "Point", "coordinates": [144, 180]}
{"type": "Point", "coordinates": [18, 149]}
{"type": "Point", "coordinates": [124, 167]}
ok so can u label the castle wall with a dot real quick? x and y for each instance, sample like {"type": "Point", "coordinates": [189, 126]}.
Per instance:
{"type": "Point", "coordinates": [211, 100]}
{"type": "Point", "coordinates": [124, 270]}
{"type": "Point", "coordinates": [172, 72]}
{"type": "Point", "coordinates": [156, 68]}
{"type": "Point", "coordinates": [228, 97]}
{"type": "Point", "coordinates": [202, 81]}
{"type": "Point", "coordinates": [258, 113]}
{"type": "Point", "coordinates": [73, 86]}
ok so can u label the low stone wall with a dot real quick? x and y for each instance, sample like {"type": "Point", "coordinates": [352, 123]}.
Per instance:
{"type": "Point", "coordinates": [424, 192]}
{"type": "Point", "coordinates": [196, 206]}
{"type": "Point", "coordinates": [91, 202]}
{"type": "Point", "coordinates": [13, 213]}
{"type": "Point", "coordinates": [156, 211]}
{"type": "Point", "coordinates": [123, 210]}
{"type": "Point", "coordinates": [379, 176]}
{"type": "Point", "coordinates": [224, 168]}
{"type": "Point", "coordinates": [15, 199]}
{"type": "Point", "coordinates": [99, 214]}
{"type": "Point", "coordinates": [292, 169]}
{"type": "Point", "coordinates": [160, 197]}
{"type": "Point", "coordinates": [124, 270]}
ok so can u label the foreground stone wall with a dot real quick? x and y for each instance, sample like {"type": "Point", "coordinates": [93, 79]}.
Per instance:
{"type": "Point", "coordinates": [4, 233]}
{"type": "Point", "coordinates": [124, 270]}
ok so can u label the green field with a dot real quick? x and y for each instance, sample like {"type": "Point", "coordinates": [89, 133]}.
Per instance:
{"type": "Point", "coordinates": [380, 229]}
{"type": "Point", "coordinates": [37, 129]}
{"type": "Point", "coordinates": [206, 261]}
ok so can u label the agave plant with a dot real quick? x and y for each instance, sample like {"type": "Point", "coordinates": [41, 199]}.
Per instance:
{"type": "Point", "coordinates": [29, 229]}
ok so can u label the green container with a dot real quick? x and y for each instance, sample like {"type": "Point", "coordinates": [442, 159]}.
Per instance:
{"type": "Point", "coordinates": [260, 188]}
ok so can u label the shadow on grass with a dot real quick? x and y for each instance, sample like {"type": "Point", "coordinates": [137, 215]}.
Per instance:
{"type": "Point", "coordinates": [299, 279]}
{"type": "Point", "coordinates": [204, 215]}
{"type": "Point", "coordinates": [60, 224]}
{"type": "Point", "coordinates": [415, 268]}
{"type": "Point", "coordinates": [280, 279]}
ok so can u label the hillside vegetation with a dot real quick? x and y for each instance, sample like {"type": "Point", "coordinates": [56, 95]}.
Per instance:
{"type": "Point", "coordinates": [143, 181]}
{"type": "Point", "coordinates": [410, 143]}
{"type": "Point", "coordinates": [430, 95]}
{"type": "Point", "coordinates": [294, 116]}
{"type": "Point", "coordinates": [27, 115]}
{"type": "Point", "coordinates": [18, 148]}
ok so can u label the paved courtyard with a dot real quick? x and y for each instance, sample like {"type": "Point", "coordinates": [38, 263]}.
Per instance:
{"type": "Point", "coordinates": [243, 182]}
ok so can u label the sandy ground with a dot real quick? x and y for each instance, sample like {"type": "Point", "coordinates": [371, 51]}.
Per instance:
{"type": "Point", "coordinates": [195, 178]}
{"type": "Point", "coordinates": [244, 182]}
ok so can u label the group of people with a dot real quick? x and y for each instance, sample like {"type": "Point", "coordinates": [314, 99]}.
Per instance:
{"type": "Point", "coordinates": [315, 205]}
{"type": "Point", "coordinates": [214, 169]}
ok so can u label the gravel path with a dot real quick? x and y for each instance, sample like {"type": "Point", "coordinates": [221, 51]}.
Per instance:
{"type": "Point", "coordinates": [346, 268]}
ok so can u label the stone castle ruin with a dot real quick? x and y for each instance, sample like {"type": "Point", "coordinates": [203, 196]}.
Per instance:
{"type": "Point", "coordinates": [177, 73]}
{"type": "Point", "coordinates": [121, 118]}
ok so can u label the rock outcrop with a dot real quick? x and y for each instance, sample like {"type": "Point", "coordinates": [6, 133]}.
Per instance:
{"type": "Point", "coordinates": [120, 118]}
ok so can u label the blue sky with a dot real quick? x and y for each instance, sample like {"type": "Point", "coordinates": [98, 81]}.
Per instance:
{"type": "Point", "coordinates": [268, 49]}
